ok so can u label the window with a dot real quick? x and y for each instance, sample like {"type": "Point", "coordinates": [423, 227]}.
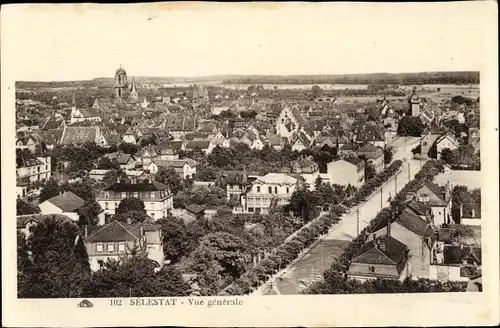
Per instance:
{"type": "Point", "coordinates": [111, 248]}
{"type": "Point", "coordinates": [46, 167]}
{"type": "Point", "coordinates": [124, 195]}
{"type": "Point", "coordinates": [106, 206]}
{"type": "Point", "coordinates": [275, 190]}
{"type": "Point", "coordinates": [425, 143]}
{"type": "Point", "coordinates": [99, 248]}
{"type": "Point", "coordinates": [153, 194]}
{"type": "Point", "coordinates": [106, 194]}
{"type": "Point", "coordinates": [136, 194]}
{"type": "Point", "coordinates": [258, 188]}
{"type": "Point", "coordinates": [371, 268]}
{"type": "Point", "coordinates": [287, 190]}
{"type": "Point", "coordinates": [270, 190]}
{"type": "Point", "coordinates": [250, 209]}
{"type": "Point", "coordinates": [152, 215]}
{"type": "Point", "coordinates": [121, 248]}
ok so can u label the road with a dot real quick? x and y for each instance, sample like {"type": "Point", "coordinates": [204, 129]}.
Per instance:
{"type": "Point", "coordinates": [311, 266]}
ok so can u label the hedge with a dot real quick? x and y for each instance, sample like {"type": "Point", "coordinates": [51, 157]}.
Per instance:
{"type": "Point", "coordinates": [335, 275]}
{"type": "Point", "coordinates": [284, 254]}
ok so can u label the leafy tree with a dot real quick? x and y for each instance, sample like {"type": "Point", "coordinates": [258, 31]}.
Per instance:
{"type": "Point", "coordinates": [83, 189]}
{"type": "Point", "coordinates": [111, 176]}
{"type": "Point", "coordinates": [59, 267]}
{"type": "Point", "coordinates": [302, 204]}
{"type": "Point", "coordinates": [169, 177]}
{"type": "Point", "coordinates": [388, 155]}
{"type": "Point", "coordinates": [317, 183]}
{"type": "Point", "coordinates": [130, 204]}
{"type": "Point", "coordinates": [175, 237]}
{"type": "Point", "coordinates": [88, 214]}
{"type": "Point", "coordinates": [107, 164]}
{"type": "Point", "coordinates": [169, 282]}
{"type": "Point", "coordinates": [316, 90]}
{"type": "Point", "coordinates": [132, 216]}
{"type": "Point", "coordinates": [49, 190]}
{"type": "Point", "coordinates": [447, 156]}
{"type": "Point", "coordinates": [369, 171]}
{"type": "Point", "coordinates": [207, 269]}
{"type": "Point", "coordinates": [459, 195]}
{"type": "Point", "coordinates": [128, 148]}
{"type": "Point", "coordinates": [410, 126]}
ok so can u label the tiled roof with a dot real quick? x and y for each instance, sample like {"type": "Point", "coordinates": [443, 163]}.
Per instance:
{"type": "Point", "coordinates": [409, 220]}
{"type": "Point", "coordinates": [26, 159]}
{"type": "Point", "coordinates": [180, 123]}
{"type": "Point", "coordinates": [199, 144]}
{"type": "Point", "coordinates": [53, 122]}
{"type": "Point", "coordinates": [195, 208]}
{"type": "Point", "coordinates": [236, 177]}
{"type": "Point", "coordinates": [353, 160]}
{"type": "Point", "coordinates": [457, 254]}
{"type": "Point", "coordinates": [173, 163]}
{"type": "Point", "coordinates": [115, 231]}
{"type": "Point", "coordinates": [384, 250]}
{"type": "Point", "coordinates": [73, 135]}
{"type": "Point", "coordinates": [67, 201]}
{"type": "Point", "coordinates": [277, 178]}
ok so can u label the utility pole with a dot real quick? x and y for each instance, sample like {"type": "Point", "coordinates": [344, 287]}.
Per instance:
{"type": "Point", "coordinates": [396, 184]}
{"type": "Point", "coordinates": [381, 198]}
{"type": "Point", "coordinates": [357, 221]}
{"type": "Point", "coordinates": [409, 177]}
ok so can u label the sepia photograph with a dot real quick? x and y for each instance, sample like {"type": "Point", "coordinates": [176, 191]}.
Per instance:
{"type": "Point", "coordinates": [198, 154]}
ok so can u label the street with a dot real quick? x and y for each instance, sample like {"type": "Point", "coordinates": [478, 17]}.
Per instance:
{"type": "Point", "coordinates": [312, 265]}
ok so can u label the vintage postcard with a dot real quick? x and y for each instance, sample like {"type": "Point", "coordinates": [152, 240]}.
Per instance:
{"type": "Point", "coordinates": [250, 164]}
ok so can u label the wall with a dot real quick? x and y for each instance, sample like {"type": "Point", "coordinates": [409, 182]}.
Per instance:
{"type": "Point", "coordinates": [446, 273]}
{"type": "Point", "coordinates": [471, 222]}
{"type": "Point", "coordinates": [361, 271]}
{"type": "Point", "coordinates": [419, 254]}
{"type": "Point", "coordinates": [49, 208]}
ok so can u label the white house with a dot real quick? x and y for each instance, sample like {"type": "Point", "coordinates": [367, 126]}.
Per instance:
{"type": "Point", "coordinates": [446, 141]}
{"type": "Point", "coordinates": [279, 186]}
{"type": "Point", "coordinates": [348, 171]}
{"type": "Point", "coordinates": [129, 137]}
{"type": "Point", "coordinates": [66, 203]}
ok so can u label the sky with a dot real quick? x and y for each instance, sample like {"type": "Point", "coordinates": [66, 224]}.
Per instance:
{"type": "Point", "coordinates": [78, 42]}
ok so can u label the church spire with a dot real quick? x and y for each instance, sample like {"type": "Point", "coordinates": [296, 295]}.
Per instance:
{"type": "Point", "coordinates": [73, 101]}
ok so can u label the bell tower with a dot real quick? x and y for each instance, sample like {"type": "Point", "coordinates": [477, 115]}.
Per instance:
{"type": "Point", "coordinates": [120, 85]}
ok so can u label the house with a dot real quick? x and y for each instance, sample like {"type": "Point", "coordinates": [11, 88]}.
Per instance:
{"type": "Point", "coordinates": [307, 169]}
{"type": "Point", "coordinates": [53, 122]}
{"type": "Point", "coordinates": [277, 142]}
{"type": "Point", "coordinates": [439, 200]}
{"type": "Point", "coordinates": [475, 283]}
{"type": "Point", "coordinates": [347, 150]}
{"type": "Point", "coordinates": [369, 133]}
{"type": "Point", "coordinates": [470, 214]}
{"type": "Point", "coordinates": [66, 203]}
{"type": "Point", "coordinates": [455, 262]}
{"type": "Point", "coordinates": [79, 135]}
{"type": "Point", "coordinates": [126, 161]}
{"type": "Point", "coordinates": [446, 141]}
{"type": "Point", "coordinates": [118, 240]}
{"type": "Point", "coordinates": [429, 137]}
{"type": "Point", "coordinates": [157, 197]}
{"type": "Point", "coordinates": [97, 174]}
{"type": "Point", "coordinates": [195, 211]}
{"type": "Point", "coordinates": [31, 168]}
{"type": "Point", "coordinates": [237, 184]}
{"type": "Point", "coordinates": [146, 155]}
{"type": "Point", "coordinates": [129, 137]}
{"type": "Point", "coordinates": [381, 258]}
{"type": "Point", "coordinates": [265, 190]}
{"type": "Point", "coordinates": [83, 114]}
{"type": "Point", "coordinates": [417, 234]}
{"type": "Point", "coordinates": [373, 155]}
{"type": "Point", "coordinates": [289, 122]}
{"type": "Point", "coordinates": [178, 125]}
{"type": "Point", "coordinates": [348, 171]}
{"type": "Point", "coordinates": [300, 142]}
{"type": "Point", "coordinates": [183, 167]}
{"type": "Point", "coordinates": [165, 152]}
{"type": "Point", "coordinates": [203, 145]}
{"type": "Point", "coordinates": [26, 142]}
{"type": "Point", "coordinates": [50, 138]}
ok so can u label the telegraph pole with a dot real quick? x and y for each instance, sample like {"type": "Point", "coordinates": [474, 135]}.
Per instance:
{"type": "Point", "coordinates": [396, 184]}
{"type": "Point", "coordinates": [409, 177]}
{"type": "Point", "coordinates": [381, 198]}
{"type": "Point", "coordinates": [357, 221]}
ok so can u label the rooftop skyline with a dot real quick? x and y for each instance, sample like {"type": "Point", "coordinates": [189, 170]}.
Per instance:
{"type": "Point", "coordinates": [73, 42]}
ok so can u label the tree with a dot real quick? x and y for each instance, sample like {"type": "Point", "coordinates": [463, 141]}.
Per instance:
{"type": "Point", "coordinates": [175, 236]}
{"type": "Point", "coordinates": [447, 156]}
{"type": "Point", "coordinates": [130, 204]}
{"type": "Point", "coordinates": [128, 148]}
{"type": "Point", "coordinates": [84, 189]}
{"type": "Point", "coordinates": [169, 177]}
{"type": "Point", "coordinates": [88, 214]}
{"type": "Point", "coordinates": [169, 282]}
{"type": "Point", "coordinates": [49, 190]}
{"type": "Point", "coordinates": [131, 216]}
{"type": "Point", "coordinates": [459, 195]}
{"type": "Point", "coordinates": [410, 126]}
{"type": "Point", "coordinates": [317, 183]}
{"type": "Point", "coordinates": [388, 155]}
{"type": "Point", "coordinates": [59, 265]}
{"type": "Point", "coordinates": [112, 175]}
{"type": "Point", "coordinates": [369, 171]}
{"type": "Point", "coordinates": [107, 164]}
{"type": "Point", "coordinates": [302, 204]}
{"type": "Point", "coordinates": [316, 90]}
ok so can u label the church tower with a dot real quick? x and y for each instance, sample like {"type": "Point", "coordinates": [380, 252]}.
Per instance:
{"type": "Point", "coordinates": [120, 82]}
{"type": "Point", "coordinates": [414, 103]}
{"type": "Point", "coordinates": [134, 95]}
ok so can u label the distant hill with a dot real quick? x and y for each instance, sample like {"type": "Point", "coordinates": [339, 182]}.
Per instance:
{"type": "Point", "coordinates": [466, 77]}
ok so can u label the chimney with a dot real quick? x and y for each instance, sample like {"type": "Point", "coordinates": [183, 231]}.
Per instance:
{"type": "Point", "coordinates": [129, 221]}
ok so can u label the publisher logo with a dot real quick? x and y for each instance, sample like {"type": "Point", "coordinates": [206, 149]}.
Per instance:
{"type": "Point", "coordinates": [85, 304]}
